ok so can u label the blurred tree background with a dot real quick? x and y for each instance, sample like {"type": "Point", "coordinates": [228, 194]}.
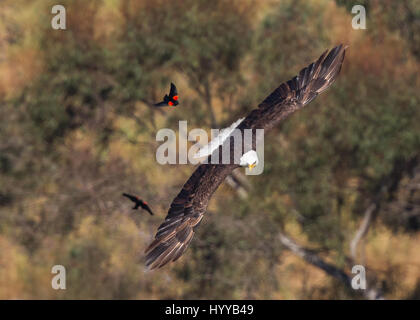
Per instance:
{"type": "Point", "coordinates": [341, 183]}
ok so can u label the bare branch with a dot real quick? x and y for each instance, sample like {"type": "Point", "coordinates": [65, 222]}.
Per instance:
{"type": "Point", "coordinates": [333, 271]}
{"type": "Point", "coordinates": [314, 259]}
{"type": "Point", "coordinates": [363, 229]}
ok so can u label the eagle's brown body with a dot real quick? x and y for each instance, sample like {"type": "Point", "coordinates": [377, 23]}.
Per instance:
{"type": "Point", "coordinates": [188, 208]}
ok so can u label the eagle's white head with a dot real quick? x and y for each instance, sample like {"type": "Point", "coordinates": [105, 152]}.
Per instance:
{"type": "Point", "coordinates": [249, 159]}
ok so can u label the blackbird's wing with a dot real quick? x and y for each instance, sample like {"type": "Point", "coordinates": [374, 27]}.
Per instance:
{"type": "Point", "coordinates": [129, 196]}
{"type": "Point", "coordinates": [173, 92]}
{"type": "Point", "coordinates": [161, 104]}
{"type": "Point", "coordinates": [147, 208]}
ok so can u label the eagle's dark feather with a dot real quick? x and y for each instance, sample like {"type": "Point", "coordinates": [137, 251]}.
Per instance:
{"type": "Point", "coordinates": [187, 209]}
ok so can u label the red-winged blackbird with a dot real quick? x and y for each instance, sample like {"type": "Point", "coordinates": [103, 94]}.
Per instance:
{"type": "Point", "coordinates": [138, 203]}
{"type": "Point", "coordinates": [171, 100]}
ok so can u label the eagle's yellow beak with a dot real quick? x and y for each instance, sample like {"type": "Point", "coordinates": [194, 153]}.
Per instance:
{"type": "Point", "coordinates": [251, 166]}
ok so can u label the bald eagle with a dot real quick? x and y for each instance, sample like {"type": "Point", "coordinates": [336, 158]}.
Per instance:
{"type": "Point", "coordinates": [249, 159]}
{"type": "Point", "coordinates": [187, 209]}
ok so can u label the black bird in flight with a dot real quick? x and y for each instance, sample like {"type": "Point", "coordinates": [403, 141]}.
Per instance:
{"type": "Point", "coordinates": [187, 209]}
{"type": "Point", "coordinates": [171, 100]}
{"type": "Point", "coordinates": [138, 203]}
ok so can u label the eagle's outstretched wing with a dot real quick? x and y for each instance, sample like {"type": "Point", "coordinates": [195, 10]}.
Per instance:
{"type": "Point", "coordinates": [185, 214]}
{"type": "Point", "coordinates": [187, 209]}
